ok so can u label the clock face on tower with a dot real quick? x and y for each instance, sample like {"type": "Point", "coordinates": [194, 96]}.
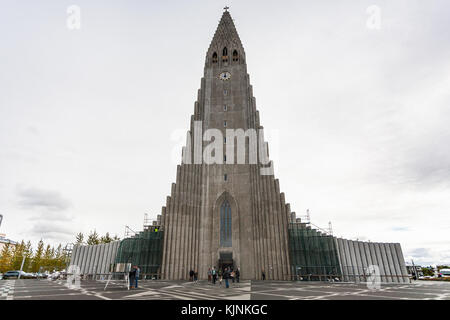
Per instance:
{"type": "Point", "coordinates": [224, 76]}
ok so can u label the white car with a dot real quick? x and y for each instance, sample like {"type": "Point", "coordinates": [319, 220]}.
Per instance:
{"type": "Point", "coordinates": [54, 276]}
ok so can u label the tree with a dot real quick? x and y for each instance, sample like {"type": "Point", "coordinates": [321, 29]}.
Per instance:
{"type": "Point", "coordinates": [28, 257]}
{"type": "Point", "coordinates": [47, 259]}
{"type": "Point", "coordinates": [17, 257]}
{"type": "Point", "coordinates": [5, 258]}
{"type": "Point", "coordinates": [37, 258]}
{"type": "Point", "coordinates": [93, 238]}
{"type": "Point", "coordinates": [106, 238]}
{"type": "Point", "coordinates": [80, 238]}
{"type": "Point", "coordinates": [427, 271]}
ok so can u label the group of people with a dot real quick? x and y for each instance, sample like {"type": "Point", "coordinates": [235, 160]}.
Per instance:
{"type": "Point", "coordinates": [193, 275]}
{"type": "Point", "coordinates": [134, 276]}
{"type": "Point", "coordinates": [226, 274]}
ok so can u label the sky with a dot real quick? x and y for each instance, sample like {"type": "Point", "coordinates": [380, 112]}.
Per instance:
{"type": "Point", "coordinates": [354, 99]}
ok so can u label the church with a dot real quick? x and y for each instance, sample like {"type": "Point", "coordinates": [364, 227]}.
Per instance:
{"type": "Point", "coordinates": [226, 209]}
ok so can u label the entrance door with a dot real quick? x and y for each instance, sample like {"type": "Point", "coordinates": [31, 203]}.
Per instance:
{"type": "Point", "coordinates": [226, 261]}
{"type": "Point", "coordinates": [226, 264]}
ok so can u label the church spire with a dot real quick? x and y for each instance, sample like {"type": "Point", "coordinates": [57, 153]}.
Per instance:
{"type": "Point", "coordinates": [226, 40]}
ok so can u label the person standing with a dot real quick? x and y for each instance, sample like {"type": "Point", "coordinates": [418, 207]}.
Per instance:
{"type": "Point", "coordinates": [131, 276]}
{"type": "Point", "coordinates": [195, 276]}
{"type": "Point", "coordinates": [238, 274]}
{"type": "Point", "coordinates": [263, 274]}
{"type": "Point", "coordinates": [191, 275]}
{"type": "Point", "coordinates": [233, 275]}
{"type": "Point", "coordinates": [209, 275]}
{"type": "Point", "coordinates": [226, 276]}
{"type": "Point", "coordinates": [220, 276]}
{"type": "Point", "coordinates": [137, 273]}
{"type": "Point", "coordinates": [214, 275]}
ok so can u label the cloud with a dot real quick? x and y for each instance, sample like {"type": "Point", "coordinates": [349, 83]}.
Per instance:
{"type": "Point", "coordinates": [428, 256]}
{"type": "Point", "coordinates": [34, 198]}
{"type": "Point", "coordinates": [50, 230]}
{"type": "Point", "coordinates": [400, 229]}
{"type": "Point", "coordinates": [49, 218]}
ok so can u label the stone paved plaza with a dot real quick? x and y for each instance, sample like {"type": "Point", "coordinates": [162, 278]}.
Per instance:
{"type": "Point", "coordinates": [246, 290]}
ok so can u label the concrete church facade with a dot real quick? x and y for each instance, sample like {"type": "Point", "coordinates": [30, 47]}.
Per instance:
{"type": "Point", "coordinates": [226, 207]}
{"type": "Point", "coordinates": [225, 199]}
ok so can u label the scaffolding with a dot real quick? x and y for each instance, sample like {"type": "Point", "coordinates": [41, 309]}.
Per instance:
{"type": "Point", "coordinates": [144, 250]}
{"type": "Point", "coordinates": [313, 253]}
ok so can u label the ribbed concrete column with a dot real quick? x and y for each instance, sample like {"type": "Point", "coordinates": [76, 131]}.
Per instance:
{"type": "Point", "coordinates": [392, 258]}
{"type": "Point", "coordinates": [167, 240]}
{"type": "Point", "coordinates": [380, 261]}
{"type": "Point", "coordinates": [254, 222]}
{"type": "Point", "coordinates": [276, 249]}
{"type": "Point", "coordinates": [74, 254]}
{"type": "Point", "coordinates": [360, 258]}
{"type": "Point", "coordinates": [342, 261]}
{"type": "Point", "coordinates": [84, 259]}
{"type": "Point", "coordinates": [390, 262]}
{"type": "Point", "coordinates": [385, 262]}
{"type": "Point", "coordinates": [401, 260]}
{"type": "Point", "coordinates": [88, 259]}
{"type": "Point", "coordinates": [367, 252]}
{"type": "Point", "coordinates": [108, 250]}
{"type": "Point", "coordinates": [267, 261]}
{"type": "Point", "coordinates": [197, 212]}
{"type": "Point", "coordinates": [95, 256]}
{"type": "Point", "coordinates": [189, 219]}
{"type": "Point", "coordinates": [184, 223]}
{"type": "Point", "coordinates": [348, 258]}
{"type": "Point", "coordinates": [364, 258]}
{"type": "Point", "coordinates": [373, 255]}
{"type": "Point", "coordinates": [100, 254]}
{"type": "Point", "coordinates": [102, 260]}
{"type": "Point", "coordinates": [173, 268]}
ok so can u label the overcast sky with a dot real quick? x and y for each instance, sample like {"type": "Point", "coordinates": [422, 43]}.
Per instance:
{"type": "Point", "coordinates": [357, 118]}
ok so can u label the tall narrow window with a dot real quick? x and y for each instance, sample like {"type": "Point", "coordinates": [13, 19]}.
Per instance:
{"type": "Point", "coordinates": [225, 108]}
{"type": "Point", "coordinates": [225, 123]}
{"type": "Point", "coordinates": [235, 56]}
{"type": "Point", "coordinates": [214, 57]}
{"type": "Point", "coordinates": [225, 55]}
{"type": "Point", "coordinates": [225, 224]}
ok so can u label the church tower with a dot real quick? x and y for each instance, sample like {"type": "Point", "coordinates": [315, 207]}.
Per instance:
{"type": "Point", "coordinates": [225, 208]}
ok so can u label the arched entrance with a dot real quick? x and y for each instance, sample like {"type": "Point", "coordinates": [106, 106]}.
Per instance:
{"type": "Point", "coordinates": [226, 232]}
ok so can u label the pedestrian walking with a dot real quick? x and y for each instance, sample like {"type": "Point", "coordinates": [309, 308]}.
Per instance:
{"type": "Point", "coordinates": [238, 274]}
{"type": "Point", "coordinates": [191, 275]}
{"type": "Point", "coordinates": [195, 276]}
{"type": "Point", "coordinates": [220, 276]}
{"type": "Point", "coordinates": [209, 275]}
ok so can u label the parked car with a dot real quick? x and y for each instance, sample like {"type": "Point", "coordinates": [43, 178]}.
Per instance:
{"type": "Point", "coordinates": [15, 275]}
{"type": "Point", "coordinates": [11, 275]}
{"type": "Point", "coordinates": [54, 276]}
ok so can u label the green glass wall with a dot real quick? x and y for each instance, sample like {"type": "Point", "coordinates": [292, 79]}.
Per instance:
{"type": "Point", "coordinates": [143, 250]}
{"type": "Point", "coordinates": [313, 254]}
